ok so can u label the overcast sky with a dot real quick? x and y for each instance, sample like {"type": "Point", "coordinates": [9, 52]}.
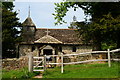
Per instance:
{"type": "Point", "coordinates": [41, 14]}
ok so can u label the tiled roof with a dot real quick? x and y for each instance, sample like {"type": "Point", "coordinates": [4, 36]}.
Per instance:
{"type": "Point", "coordinates": [28, 22]}
{"type": "Point", "coordinates": [66, 36]}
{"type": "Point", "coordinates": [47, 39]}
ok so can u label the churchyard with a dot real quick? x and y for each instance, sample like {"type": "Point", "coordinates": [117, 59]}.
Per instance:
{"type": "Point", "coordinates": [99, 68]}
{"type": "Point", "coordinates": [86, 48]}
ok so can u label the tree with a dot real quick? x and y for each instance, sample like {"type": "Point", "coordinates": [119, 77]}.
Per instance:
{"type": "Point", "coordinates": [91, 31]}
{"type": "Point", "coordinates": [104, 34]}
{"type": "Point", "coordinates": [95, 9]}
{"type": "Point", "coordinates": [9, 32]}
{"type": "Point", "coordinates": [110, 30]}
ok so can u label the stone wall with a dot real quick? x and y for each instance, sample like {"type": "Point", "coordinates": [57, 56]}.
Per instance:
{"type": "Point", "coordinates": [24, 50]}
{"type": "Point", "coordinates": [79, 49]}
{"type": "Point", "coordinates": [15, 63]}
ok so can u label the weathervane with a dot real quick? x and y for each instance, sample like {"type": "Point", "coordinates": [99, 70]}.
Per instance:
{"type": "Point", "coordinates": [74, 18]}
{"type": "Point", "coordinates": [29, 11]}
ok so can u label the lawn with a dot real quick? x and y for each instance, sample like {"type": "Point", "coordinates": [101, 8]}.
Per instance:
{"type": "Point", "coordinates": [22, 73]}
{"type": "Point", "coordinates": [70, 71]}
{"type": "Point", "coordinates": [85, 71]}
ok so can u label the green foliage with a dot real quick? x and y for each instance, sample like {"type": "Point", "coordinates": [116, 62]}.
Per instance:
{"type": "Point", "coordinates": [104, 26]}
{"type": "Point", "coordinates": [95, 9]}
{"type": "Point", "coordinates": [106, 46]}
{"type": "Point", "coordinates": [110, 29]}
{"type": "Point", "coordinates": [22, 73]}
{"type": "Point", "coordinates": [9, 32]}
{"type": "Point", "coordinates": [85, 71]}
{"type": "Point", "coordinates": [103, 33]}
{"type": "Point", "coordinates": [62, 8]}
{"type": "Point", "coordinates": [7, 5]}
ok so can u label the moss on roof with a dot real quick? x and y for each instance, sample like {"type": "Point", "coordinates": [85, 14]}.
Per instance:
{"type": "Point", "coordinates": [47, 39]}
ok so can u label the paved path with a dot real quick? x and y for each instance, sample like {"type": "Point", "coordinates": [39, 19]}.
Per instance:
{"type": "Point", "coordinates": [38, 76]}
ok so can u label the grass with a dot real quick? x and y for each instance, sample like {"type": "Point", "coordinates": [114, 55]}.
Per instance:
{"type": "Point", "coordinates": [22, 73]}
{"type": "Point", "coordinates": [85, 71]}
{"type": "Point", "coordinates": [70, 71]}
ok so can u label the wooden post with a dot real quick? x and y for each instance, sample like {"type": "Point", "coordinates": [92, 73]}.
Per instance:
{"type": "Point", "coordinates": [44, 62]}
{"type": "Point", "coordinates": [30, 63]}
{"type": "Point", "coordinates": [109, 61]}
{"type": "Point", "coordinates": [61, 62]}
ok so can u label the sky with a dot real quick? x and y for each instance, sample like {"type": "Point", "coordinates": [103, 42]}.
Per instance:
{"type": "Point", "coordinates": [41, 14]}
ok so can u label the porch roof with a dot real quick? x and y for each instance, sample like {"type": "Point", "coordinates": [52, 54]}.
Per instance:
{"type": "Point", "coordinates": [47, 39]}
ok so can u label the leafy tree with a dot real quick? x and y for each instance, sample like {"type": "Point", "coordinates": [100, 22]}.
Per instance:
{"type": "Point", "coordinates": [95, 9]}
{"type": "Point", "coordinates": [104, 34]}
{"type": "Point", "coordinates": [111, 31]}
{"type": "Point", "coordinates": [93, 31]}
{"type": "Point", "coordinates": [9, 32]}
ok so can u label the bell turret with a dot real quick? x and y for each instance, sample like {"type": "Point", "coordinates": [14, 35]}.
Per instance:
{"type": "Point", "coordinates": [29, 29]}
{"type": "Point", "coordinates": [73, 23]}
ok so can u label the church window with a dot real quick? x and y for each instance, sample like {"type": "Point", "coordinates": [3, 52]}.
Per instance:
{"type": "Point", "coordinates": [33, 48]}
{"type": "Point", "coordinates": [74, 49]}
{"type": "Point", "coordinates": [60, 48]}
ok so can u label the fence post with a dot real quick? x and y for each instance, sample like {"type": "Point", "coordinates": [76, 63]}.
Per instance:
{"type": "Point", "coordinates": [30, 63]}
{"type": "Point", "coordinates": [45, 62]}
{"type": "Point", "coordinates": [109, 61]}
{"type": "Point", "coordinates": [61, 62]}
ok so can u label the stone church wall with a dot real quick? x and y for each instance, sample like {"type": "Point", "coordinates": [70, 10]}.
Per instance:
{"type": "Point", "coordinates": [24, 50]}
{"type": "Point", "coordinates": [66, 49]}
{"type": "Point", "coordinates": [79, 49]}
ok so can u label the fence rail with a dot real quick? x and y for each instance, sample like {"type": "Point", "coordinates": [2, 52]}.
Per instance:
{"type": "Point", "coordinates": [116, 50]}
{"type": "Point", "coordinates": [64, 55]}
{"type": "Point", "coordinates": [79, 53]}
{"type": "Point", "coordinates": [80, 61]}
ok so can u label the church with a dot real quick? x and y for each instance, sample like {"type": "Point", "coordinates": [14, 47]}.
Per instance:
{"type": "Point", "coordinates": [46, 41]}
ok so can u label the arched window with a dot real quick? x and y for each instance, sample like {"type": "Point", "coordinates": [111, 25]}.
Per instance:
{"type": "Point", "coordinates": [33, 48]}
{"type": "Point", "coordinates": [60, 48]}
{"type": "Point", "coordinates": [74, 49]}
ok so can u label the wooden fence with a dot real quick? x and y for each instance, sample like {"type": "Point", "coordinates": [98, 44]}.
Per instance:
{"type": "Point", "coordinates": [108, 52]}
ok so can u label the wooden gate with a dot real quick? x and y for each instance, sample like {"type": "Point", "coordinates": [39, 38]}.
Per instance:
{"type": "Point", "coordinates": [38, 63]}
